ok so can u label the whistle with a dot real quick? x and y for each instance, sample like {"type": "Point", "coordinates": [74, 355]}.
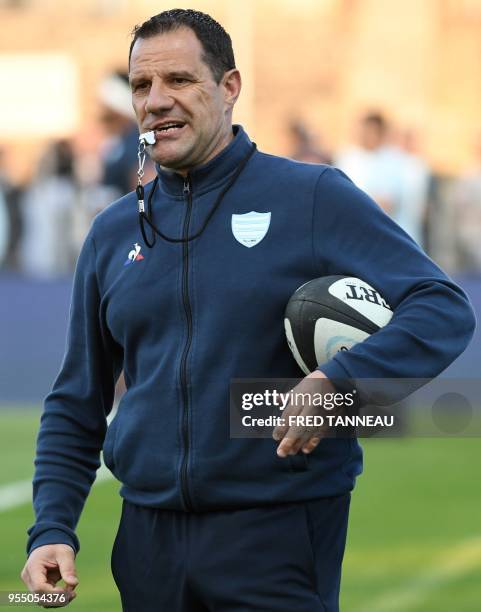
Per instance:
{"type": "Point", "coordinates": [148, 137]}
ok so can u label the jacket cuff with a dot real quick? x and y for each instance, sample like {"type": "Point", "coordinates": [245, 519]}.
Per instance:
{"type": "Point", "coordinates": [53, 536]}
{"type": "Point", "coordinates": [333, 370]}
{"type": "Point", "coordinates": [339, 377]}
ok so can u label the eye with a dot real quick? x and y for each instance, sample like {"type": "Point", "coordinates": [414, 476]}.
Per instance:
{"type": "Point", "coordinates": [140, 86]}
{"type": "Point", "coordinates": [180, 80]}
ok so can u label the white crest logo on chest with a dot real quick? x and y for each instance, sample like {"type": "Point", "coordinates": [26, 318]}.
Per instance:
{"type": "Point", "coordinates": [250, 228]}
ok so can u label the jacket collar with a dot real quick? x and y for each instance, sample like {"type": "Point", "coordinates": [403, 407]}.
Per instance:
{"type": "Point", "coordinates": [213, 173]}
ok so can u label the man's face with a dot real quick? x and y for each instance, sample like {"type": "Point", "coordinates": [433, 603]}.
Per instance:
{"type": "Point", "coordinates": [371, 135]}
{"type": "Point", "coordinates": [173, 86]}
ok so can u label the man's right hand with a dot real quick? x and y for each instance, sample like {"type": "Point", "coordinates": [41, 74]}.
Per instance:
{"type": "Point", "coordinates": [48, 564]}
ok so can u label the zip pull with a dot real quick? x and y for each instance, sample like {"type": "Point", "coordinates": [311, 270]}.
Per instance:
{"type": "Point", "coordinates": [186, 186]}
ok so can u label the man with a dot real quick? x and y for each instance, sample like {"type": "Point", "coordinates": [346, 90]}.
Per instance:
{"type": "Point", "coordinates": [465, 202]}
{"type": "Point", "coordinates": [209, 522]}
{"type": "Point", "coordinates": [374, 164]}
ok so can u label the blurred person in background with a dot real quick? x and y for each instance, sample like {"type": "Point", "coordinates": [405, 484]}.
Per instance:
{"type": "Point", "coordinates": [395, 179]}
{"type": "Point", "coordinates": [4, 219]}
{"type": "Point", "coordinates": [373, 164]}
{"type": "Point", "coordinates": [304, 145]}
{"type": "Point", "coordinates": [11, 227]}
{"type": "Point", "coordinates": [465, 196]}
{"type": "Point", "coordinates": [119, 153]}
{"type": "Point", "coordinates": [47, 208]}
{"type": "Point", "coordinates": [416, 181]}
{"type": "Point", "coordinates": [4, 229]}
{"type": "Point", "coordinates": [107, 169]}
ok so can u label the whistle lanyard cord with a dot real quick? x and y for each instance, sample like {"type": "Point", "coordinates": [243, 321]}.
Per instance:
{"type": "Point", "coordinates": [146, 217]}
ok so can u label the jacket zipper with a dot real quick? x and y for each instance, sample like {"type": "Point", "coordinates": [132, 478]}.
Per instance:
{"type": "Point", "coordinates": [183, 362]}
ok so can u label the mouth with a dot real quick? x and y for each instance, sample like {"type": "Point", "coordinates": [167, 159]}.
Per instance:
{"type": "Point", "coordinates": [168, 129]}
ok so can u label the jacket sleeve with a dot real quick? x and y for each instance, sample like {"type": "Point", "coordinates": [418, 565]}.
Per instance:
{"type": "Point", "coordinates": [73, 423]}
{"type": "Point", "coordinates": [433, 320]}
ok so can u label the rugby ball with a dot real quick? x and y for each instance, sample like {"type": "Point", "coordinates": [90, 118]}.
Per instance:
{"type": "Point", "coordinates": [332, 314]}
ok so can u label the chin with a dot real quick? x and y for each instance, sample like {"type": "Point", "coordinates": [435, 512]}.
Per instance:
{"type": "Point", "coordinates": [168, 159]}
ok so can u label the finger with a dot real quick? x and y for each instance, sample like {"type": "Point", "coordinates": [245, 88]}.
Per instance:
{"type": "Point", "coordinates": [311, 445]}
{"type": "Point", "coordinates": [281, 430]}
{"type": "Point", "coordinates": [286, 445]}
{"type": "Point", "coordinates": [296, 447]}
{"type": "Point", "coordinates": [298, 436]}
{"type": "Point", "coordinates": [46, 588]}
{"type": "Point", "coordinates": [66, 565]}
{"type": "Point", "coordinates": [36, 578]}
{"type": "Point", "coordinates": [294, 435]}
{"type": "Point", "coordinates": [25, 576]}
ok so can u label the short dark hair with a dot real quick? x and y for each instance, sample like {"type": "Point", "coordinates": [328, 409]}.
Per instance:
{"type": "Point", "coordinates": [216, 43]}
{"type": "Point", "coordinates": [376, 118]}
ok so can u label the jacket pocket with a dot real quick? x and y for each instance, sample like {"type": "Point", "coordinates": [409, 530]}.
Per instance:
{"type": "Point", "coordinates": [298, 463]}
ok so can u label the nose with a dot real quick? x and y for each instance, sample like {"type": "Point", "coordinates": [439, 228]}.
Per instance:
{"type": "Point", "coordinates": [158, 99]}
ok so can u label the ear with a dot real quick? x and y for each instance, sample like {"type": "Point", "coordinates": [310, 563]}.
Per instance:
{"type": "Point", "coordinates": [231, 81]}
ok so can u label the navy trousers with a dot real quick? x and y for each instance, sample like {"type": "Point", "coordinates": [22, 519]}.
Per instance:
{"type": "Point", "coordinates": [279, 558]}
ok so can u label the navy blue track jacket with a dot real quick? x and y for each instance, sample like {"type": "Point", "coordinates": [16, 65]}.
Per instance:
{"type": "Point", "coordinates": [183, 319]}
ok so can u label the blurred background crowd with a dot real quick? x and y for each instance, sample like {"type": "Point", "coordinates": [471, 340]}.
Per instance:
{"type": "Point", "coordinates": [43, 221]}
{"type": "Point", "coordinates": [371, 95]}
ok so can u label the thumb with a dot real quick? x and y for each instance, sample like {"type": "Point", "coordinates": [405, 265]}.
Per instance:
{"type": "Point", "coordinates": [66, 566]}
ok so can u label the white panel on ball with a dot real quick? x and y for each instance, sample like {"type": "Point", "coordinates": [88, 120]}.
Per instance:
{"type": "Point", "coordinates": [360, 296]}
{"type": "Point", "coordinates": [331, 336]}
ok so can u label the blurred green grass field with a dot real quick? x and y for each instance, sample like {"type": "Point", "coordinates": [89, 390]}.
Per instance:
{"type": "Point", "coordinates": [414, 542]}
